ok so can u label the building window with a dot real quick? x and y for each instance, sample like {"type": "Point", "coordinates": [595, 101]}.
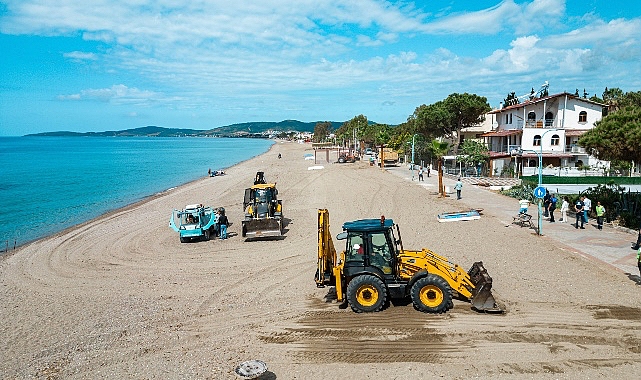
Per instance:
{"type": "Point", "coordinates": [583, 117]}
{"type": "Point", "coordinates": [510, 118]}
{"type": "Point", "coordinates": [537, 140]}
{"type": "Point", "coordinates": [506, 119]}
{"type": "Point", "coordinates": [549, 119]}
{"type": "Point", "coordinates": [531, 116]}
{"type": "Point", "coordinates": [555, 140]}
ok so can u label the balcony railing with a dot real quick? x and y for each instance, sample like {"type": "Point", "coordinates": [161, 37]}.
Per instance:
{"type": "Point", "coordinates": [574, 149]}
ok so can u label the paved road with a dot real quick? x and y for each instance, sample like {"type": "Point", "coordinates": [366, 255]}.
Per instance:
{"type": "Point", "coordinates": [610, 245]}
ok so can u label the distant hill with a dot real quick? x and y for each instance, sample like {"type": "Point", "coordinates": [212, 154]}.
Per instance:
{"type": "Point", "coordinates": [233, 130]}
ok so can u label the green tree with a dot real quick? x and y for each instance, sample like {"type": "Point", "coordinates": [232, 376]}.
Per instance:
{"type": "Point", "coordinates": [321, 131]}
{"type": "Point", "coordinates": [616, 136]}
{"type": "Point", "coordinates": [472, 153]}
{"type": "Point", "coordinates": [357, 126]}
{"type": "Point", "coordinates": [439, 149]}
{"type": "Point", "coordinates": [446, 118]}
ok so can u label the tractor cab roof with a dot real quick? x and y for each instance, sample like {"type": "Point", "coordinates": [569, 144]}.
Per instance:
{"type": "Point", "coordinates": [264, 186]}
{"type": "Point", "coordinates": [366, 225]}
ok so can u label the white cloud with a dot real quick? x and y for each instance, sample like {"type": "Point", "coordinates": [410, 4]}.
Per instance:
{"type": "Point", "coordinates": [118, 94]}
{"type": "Point", "coordinates": [80, 56]}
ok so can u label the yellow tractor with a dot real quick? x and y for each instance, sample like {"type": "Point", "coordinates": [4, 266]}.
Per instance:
{"type": "Point", "coordinates": [374, 268]}
{"type": "Point", "coordinates": [263, 211]}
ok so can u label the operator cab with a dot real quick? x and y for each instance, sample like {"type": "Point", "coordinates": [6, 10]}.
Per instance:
{"type": "Point", "coordinates": [370, 245]}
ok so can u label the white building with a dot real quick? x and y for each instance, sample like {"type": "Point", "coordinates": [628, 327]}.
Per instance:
{"type": "Point", "coordinates": [549, 127]}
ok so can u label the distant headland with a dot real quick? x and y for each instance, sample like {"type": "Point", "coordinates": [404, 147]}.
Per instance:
{"type": "Point", "coordinates": [250, 129]}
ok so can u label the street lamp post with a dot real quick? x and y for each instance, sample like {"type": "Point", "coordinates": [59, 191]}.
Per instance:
{"type": "Point", "coordinates": [413, 157]}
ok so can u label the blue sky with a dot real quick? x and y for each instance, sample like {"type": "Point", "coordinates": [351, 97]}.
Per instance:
{"type": "Point", "coordinates": [98, 65]}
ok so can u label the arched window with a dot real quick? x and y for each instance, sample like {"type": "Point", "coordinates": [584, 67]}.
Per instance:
{"type": "Point", "coordinates": [583, 117]}
{"type": "Point", "coordinates": [537, 140]}
{"type": "Point", "coordinates": [549, 119]}
{"type": "Point", "coordinates": [532, 163]}
{"type": "Point", "coordinates": [531, 116]}
{"type": "Point", "coordinates": [555, 140]}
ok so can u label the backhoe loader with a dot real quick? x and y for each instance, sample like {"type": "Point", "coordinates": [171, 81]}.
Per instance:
{"type": "Point", "coordinates": [375, 268]}
{"type": "Point", "coordinates": [263, 211]}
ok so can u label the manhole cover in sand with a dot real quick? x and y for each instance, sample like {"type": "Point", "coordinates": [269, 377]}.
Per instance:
{"type": "Point", "coordinates": [251, 369]}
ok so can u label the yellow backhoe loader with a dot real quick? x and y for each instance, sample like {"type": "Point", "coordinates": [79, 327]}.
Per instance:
{"type": "Point", "coordinates": [374, 268]}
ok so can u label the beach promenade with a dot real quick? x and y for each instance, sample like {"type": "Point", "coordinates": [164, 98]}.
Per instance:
{"type": "Point", "coordinates": [610, 246]}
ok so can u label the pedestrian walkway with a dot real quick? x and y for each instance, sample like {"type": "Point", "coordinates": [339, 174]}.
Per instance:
{"type": "Point", "coordinates": [610, 245]}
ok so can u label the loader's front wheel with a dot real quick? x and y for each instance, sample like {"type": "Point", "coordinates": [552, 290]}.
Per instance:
{"type": "Point", "coordinates": [432, 294]}
{"type": "Point", "coordinates": [366, 293]}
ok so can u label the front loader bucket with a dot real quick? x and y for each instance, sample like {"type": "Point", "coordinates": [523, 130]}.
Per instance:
{"type": "Point", "coordinates": [257, 228]}
{"type": "Point", "coordinates": [482, 298]}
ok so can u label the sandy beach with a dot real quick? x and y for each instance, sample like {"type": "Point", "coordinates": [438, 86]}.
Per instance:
{"type": "Point", "coordinates": [120, 297]}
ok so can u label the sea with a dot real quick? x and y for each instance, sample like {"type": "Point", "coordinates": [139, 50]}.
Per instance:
{"type": "Point", "coordinates": [48, 184]}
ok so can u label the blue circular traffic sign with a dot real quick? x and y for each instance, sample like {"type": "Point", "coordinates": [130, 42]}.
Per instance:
{"type": "Point", "coordinates": [540, 192]}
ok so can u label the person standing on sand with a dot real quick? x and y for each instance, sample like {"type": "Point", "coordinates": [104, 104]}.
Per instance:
{"type": "Point", "coordinates": [564, 209]}
{"type": "Point", "coordinates": [420, 173]}
{"type": "Point", "coordinates": [428, 172]}
{"type": "Point", "coordinates": [578, 207]}
{"type": "Point", "coordinates": [458, 187]}
{"type": "Point", "coordinates": [223, 222]}
{"type": "Point", "coordinates": [600, 212]}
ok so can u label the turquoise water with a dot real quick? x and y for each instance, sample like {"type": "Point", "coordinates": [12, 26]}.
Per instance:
{"type": "Point", "coordinates": [50, 183]}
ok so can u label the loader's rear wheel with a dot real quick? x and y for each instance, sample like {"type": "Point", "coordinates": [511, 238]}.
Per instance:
{"type": "Point", "coordinates": [366, 293]}
{"type": "Point", "coordinates": [432, 294]}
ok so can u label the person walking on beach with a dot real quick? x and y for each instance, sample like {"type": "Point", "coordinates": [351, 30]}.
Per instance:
{"type": "Point", "coordinates": [578, 207]}
{"type": "Point", "coordinates": [420, 173]}
{"type": "Point", "coordinates": [600, 212]}
{"type": "Point", "coordinates": [458, 187]}
{"type": "Point", "coordinates": [552, 207]}
{"type": "Point", "coordinates": [428, 172]}
{"type": "Point", "coordinates": [564, 209]}
{"type": "Point", "coordinates": [223, 222]}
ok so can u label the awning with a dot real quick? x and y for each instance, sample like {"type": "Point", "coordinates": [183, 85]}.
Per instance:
{"type": "Point", "coordinates": [502, 133]}
{"type": "Point", "coordinates": [575, 132]}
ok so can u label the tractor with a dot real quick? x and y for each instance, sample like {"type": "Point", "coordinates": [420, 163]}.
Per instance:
{"type": "Point", "coordinates": [263, 211]}
{"type": "Point", "coordinates": [374, 268]}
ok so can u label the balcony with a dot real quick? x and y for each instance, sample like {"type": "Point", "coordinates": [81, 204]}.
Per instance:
{"type": "Point", "coordinates": [572, 148]}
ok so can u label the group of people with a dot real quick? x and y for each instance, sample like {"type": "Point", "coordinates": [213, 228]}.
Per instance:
{"type": "Point", "coordinates": [582, 208]}
{"type": "Point", "coordinates": [215, 173]}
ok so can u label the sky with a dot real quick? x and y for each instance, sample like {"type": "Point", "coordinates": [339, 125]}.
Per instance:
{"type": "Point", "coordinates": [78, 65]}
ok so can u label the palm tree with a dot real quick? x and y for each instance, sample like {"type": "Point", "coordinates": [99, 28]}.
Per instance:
{"type": "Point", "coordinates": [439, 149]}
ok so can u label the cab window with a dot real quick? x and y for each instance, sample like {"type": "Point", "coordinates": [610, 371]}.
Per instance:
{"type": "Point", "coordinates": [355, 248]}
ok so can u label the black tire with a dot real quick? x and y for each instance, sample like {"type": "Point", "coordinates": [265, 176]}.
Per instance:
{"type": "Point", "coordinates": [244, 232]}
{"type": "Point", "coordinates": [183, 240]}
{"type": "Point", "coordinates": [366, 293]}
{"type": "Point", "coordinates": [206, 235]}
{"type": "Point", "coordinates": [432, 294]}
{"type": "Point", "coordinates": [341, 160]}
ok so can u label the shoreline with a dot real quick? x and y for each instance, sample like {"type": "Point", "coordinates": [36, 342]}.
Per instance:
{"type": "Point", "coordinates": [113, 211]}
